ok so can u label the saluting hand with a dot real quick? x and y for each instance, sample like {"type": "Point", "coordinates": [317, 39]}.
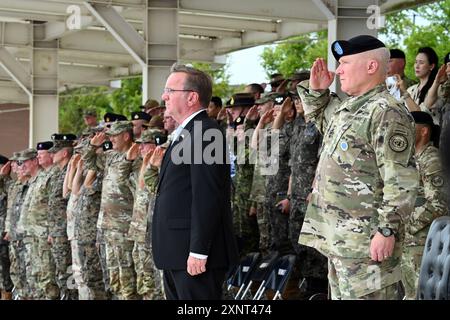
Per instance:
{"type": "Point", "coordinates": [6, 169]}
{"type": "Point", "coordinates": [98, 139]}
{"type": "Point", "coordinates": [133, 152]}
{"type": "Point", "coordinates": [157, 156]}
{"type": "Point", "coordinates": [320, 78]}
{"type": "Point", "coordinates": [222, 114]}
{"type": "Point", "coordinates": [267, 117]}
{"type": "Point", "coordinates": [253, 113]}
{"type": "Point", "coordinates": [286, 107]}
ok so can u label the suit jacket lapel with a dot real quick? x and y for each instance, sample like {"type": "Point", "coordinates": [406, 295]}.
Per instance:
{"type": "Point", "coordinates": [168, 152]}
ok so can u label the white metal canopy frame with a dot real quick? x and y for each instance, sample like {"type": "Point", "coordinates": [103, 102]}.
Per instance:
{"type": "Point", "coordinates": [49, 45]}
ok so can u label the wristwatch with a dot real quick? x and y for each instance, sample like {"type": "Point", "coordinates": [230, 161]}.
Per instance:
{"type": "Point", "coordinates": [387, 232]}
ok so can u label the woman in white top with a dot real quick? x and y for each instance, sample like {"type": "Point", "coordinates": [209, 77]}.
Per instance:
{"type": "Point", "coordinates": [425, 67]}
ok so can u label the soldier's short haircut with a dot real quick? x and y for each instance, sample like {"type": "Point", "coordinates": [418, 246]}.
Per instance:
{"type": "Point", "coordinates": [197, 81]}
{"type": "Point", "coordinates": [255, 88]}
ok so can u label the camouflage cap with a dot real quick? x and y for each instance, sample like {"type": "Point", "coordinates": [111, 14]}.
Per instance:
{"type": "Point", "coordinates": [276, 79]}
{"type": "Point", "coordinates": [152, 136]}
{"type": "Point", "coordinates": [27, 154]}
{"type": "Point", "coordinates": [15, 156]}
{"type": "Point", "coordinates": [90, 112]}
{"type": "Point", "coordinates": [90, 131]}
{"type": "Point", "coordinates": [59, 145]}
{"type": "Point", "coordinates": [81, 145]}
{"type": "Point", "coordinates": [156, 122]}
{"type": "Point", "coordinates": [118, 127]}
{"type": "Point", "coordinates": [271, 96]}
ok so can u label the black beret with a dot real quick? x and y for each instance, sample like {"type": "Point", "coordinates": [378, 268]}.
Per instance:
{"type": "Point", "coordinates": [397, 53]}
{"type": "Point", "coordinates": [241, 100]}
{"type": "Point", "coordinates": [111, 117]}
{"type": "Point", "coordinates": [447, 58]}
{"type": "Point", "coordinates": [421, 117]}
{"type": "Point", "coordinates": [3, 159]}
{"type": "Point", "coordinates": [139, 115]}
{"type": "Point", "coordinates": [363, 43]}
{"type": "Point", "coordinates": [63, 137]}
{"type": "Point", "coordinates": [45, 145]}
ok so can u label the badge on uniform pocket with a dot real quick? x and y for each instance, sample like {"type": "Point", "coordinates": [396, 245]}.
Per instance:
{"type": "Point", "coordinates": [344, 145]}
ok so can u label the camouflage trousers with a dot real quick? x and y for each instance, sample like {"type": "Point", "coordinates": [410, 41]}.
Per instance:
{"type": "Point", "coordinates": [411, 260]}
{"type": "Point", "coordinates": [18, 273]}
{"type": "Point", "coordinates": [5, 278]}
{"type": "Point", "coordinates": [87, 271]}
{"type": "Point", "coordinates": [246, 229]}
{"type": "Point", "coordinates": [310, 263]}
{"type": "Point", "coordinates": [44, 268]}
{"type": "Point", "coordinates": [264, 227]}
{"type": "Point", "coordinates": [148, 278]}
{"type": "Point", "coordinates": [119, 260]}
{"type": "Point", "coordinates": [279, 228]}
{"type": "Point", "coordinates": [101, 248]}
{"type": "Point", "coordinates": [364, 279]}
{"type": "Point", "coordinates": [31, 270]}
{"type": "Point", "coordinates": [62, 257]}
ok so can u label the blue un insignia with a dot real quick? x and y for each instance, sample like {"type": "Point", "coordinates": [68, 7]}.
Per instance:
{"type": "Point", "coordinates": [344, 146]}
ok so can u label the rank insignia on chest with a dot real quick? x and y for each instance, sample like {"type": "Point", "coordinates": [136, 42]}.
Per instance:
{"type": "Point", "coordinates": [344, 145]}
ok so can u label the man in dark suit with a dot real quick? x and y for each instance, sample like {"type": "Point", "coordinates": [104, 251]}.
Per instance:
{"type": "Point", "coordinates": [192, 233]}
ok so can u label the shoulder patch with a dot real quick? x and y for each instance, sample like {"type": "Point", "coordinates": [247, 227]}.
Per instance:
{"type": "Point", "coordinates": [398, 142]}
{"type": "Point", "coordinates": [437, 181]}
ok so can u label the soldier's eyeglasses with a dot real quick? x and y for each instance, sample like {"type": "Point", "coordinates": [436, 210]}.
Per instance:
{"type": "Point", "coordinates": [20, 163]}
{"type": "Point", "coordinates": [170, 90]}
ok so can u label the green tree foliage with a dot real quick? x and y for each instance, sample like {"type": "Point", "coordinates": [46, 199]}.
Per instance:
{"type": "Point", "coordinates": [295, 53]}
{"type": "Point", "coordinates": [123, 100]}
{"type": "Point", "coordinates": [423, 26]}
{"type": "Point", "coordinates": [220, 76]}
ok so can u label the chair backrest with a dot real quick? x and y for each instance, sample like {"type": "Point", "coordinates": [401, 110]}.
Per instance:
{"type": "Point", "coordinates": [281, 272]}
{"type": "Point", "coordinates": [244, 270]}
{"type": "Point", "coordinates": [265, 266]}
{"type": "Point", "coordinates": [434, 279]}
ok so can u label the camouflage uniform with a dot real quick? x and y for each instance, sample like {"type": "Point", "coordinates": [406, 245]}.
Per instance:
{"type": "Point", "coordinates": [116, 206]}
{"type": "Point", "coordinates": [365, 179]}
{"type": "Point", "coordinates": [36, 223]}
{"type": "Point", "coordinates": [88, 271]}
{"type": "Point", "coordinates": [265, 166]}
{"type": "Point", "coordinates": [430, 204]}
{"type": "Point", "coordinates": [304, 147]}
{"type": "Point", "coordinates": [60, 248]}
{"type": "Point", "coordinates": [31, 266]}
{"type": "Point", "coordinates": [6, 186]}
{"type": "Point", "coordinates": [245, 226]}
{"type": "Point", "coordinates": [16, 245]}
{"type": "Point", "coordinates": [278, 184]}
{"type": "Point", "coordinates": [148, 277]}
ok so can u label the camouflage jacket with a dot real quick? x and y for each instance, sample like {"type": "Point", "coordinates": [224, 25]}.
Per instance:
{"type": "Point", "coordinates": [22, 224]}
{"type": "Point", "coordinates": [13, 190]}
{"type": "Point", "coordinates": [36, 222]}
{"type": "Point", "coordinates": [117, 189]}
{"type": "Point", "coordinates": [87, 208]}
{"type": "Point", "coordinates": [14, 211]}
{"type": "Point", "coordinates": [143, 197]}
{"type": "Point", "coordinates": [430, 201]}
{"type": "Point", "coordinates": [279, 181]}
{"type": "Point", "coordinates": [304, 148]}
{"type": "Point", "coordinates": [366, 176]}
{"type": "Point", "coordinates": [57, 217]}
